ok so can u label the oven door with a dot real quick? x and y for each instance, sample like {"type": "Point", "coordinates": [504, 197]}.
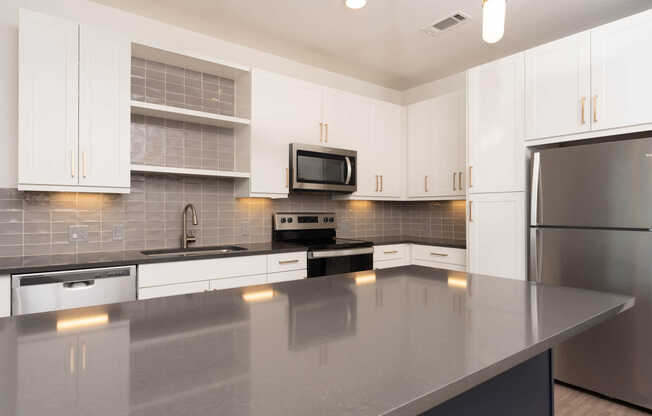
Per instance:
{"type": "Point", "coordinates": [328, 262]}
{"type": "Point", "coordinates": [318, 168]}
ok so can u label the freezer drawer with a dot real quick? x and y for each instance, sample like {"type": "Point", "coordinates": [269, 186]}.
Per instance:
{"type": "Point", "coordinates": [607, 185]}
{"type": "Point", "coordinates": [614, 358]}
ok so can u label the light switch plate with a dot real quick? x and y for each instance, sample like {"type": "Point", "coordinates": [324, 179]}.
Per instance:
{"type": "Point", "coordinates": [78, 233]}
{"type": "Point", "coordinates": [118, 232]}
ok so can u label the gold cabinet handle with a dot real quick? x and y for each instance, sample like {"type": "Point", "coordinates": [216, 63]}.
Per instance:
{"type": "Point", "coordinates": [84, 164]}
{"type": "Point", "coordinates": [390, 252]}
{"type": "Point", "coordinates": [287, 261]}
{"type": "Point", "coordinates": [377, 183]}
{"type": "Point", "coordinates": [326, 128]}
{"type": "Point", "coordinates": [470, 176]}
{"type": "Point", "coordinates": [321, 132]}
{"type": "Point", "coordinates": [583, 105]}
{"type": "Point", "coordinates": [71, 358]}
{"type": "Point", "coordinates": [459, 182]}
{"type": "Point", "coordinates": [425, 183]}
{"type": "Point", "coordinates": [83, 357]}
{"type": "Point", "coordinates": [454, 174]}
{"type": "Point", "coordinates": [287, 177]}
{"type": "Point", "coordinates": [439, 254]}
{"type": "Point", "coordinates": [595, 107]}
{"type": "Point", "coordinates": [470, 211]}
{"type": "Point", "coordinates": [72, 164]}
{"type": "Point", "coordinates": [381, 183]}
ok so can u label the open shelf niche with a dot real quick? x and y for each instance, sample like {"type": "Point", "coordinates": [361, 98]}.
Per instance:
{"type": "Point", "coordinates": [180, 91]}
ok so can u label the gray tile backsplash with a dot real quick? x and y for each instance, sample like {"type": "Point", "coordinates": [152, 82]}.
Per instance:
{"type": "Point", "coordinates": [36, 223]}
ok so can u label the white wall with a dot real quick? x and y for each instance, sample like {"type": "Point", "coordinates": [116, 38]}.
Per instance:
{"type": "Point", "coordinates": [433, 89]}
{"type": "Point", "coordinates": [142, 30]}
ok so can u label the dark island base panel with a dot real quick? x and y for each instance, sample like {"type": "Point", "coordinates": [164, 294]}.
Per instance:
{"type": "Point", "coordinates": [526, 389]}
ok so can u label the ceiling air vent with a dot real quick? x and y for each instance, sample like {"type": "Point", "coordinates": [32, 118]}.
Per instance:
{"type": "Point", "coordinates": [455, 20]}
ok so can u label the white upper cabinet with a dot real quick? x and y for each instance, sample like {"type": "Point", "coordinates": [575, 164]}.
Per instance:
{"type": "Point", "coordinates": [436, 147]}
{"type": "Point", "coordinates": [496, 149]}
{"type": "Point", "coordinates": [496, 234]}
{"type": "Point", "coordinates": [386, 145]}
{"type": "Point", "coordinates": [557, 87]}
{"type": "Point", "coordinates": [48, 96]}
{"type": "Point", "coordinates": [104, 108]}
{"type": "Point", "coordinates": [621, 64]}
{"type": "Point", "coordinates": [346, 120]}
{"type": "Point", "coordinates": [74, 132]}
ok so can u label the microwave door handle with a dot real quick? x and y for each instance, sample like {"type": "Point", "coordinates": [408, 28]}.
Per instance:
{"type": "Point", "coordinates": [348, 170]}
{"type": "Point", "coordinates": [535, 193]}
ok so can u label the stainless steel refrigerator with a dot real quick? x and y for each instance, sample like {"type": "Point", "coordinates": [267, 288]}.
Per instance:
{"type": "Point", "coordinates": [591, 227]}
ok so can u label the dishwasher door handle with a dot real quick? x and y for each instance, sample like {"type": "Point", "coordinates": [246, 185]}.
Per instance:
{"type": "Point", "coordinates": [79, 285]}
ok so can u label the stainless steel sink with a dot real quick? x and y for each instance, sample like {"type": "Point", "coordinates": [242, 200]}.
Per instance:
{"type": "Point", "coordinates": [193, 251]}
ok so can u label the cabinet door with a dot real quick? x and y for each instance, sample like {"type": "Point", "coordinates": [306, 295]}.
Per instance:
{"type": "Point", "coordinates": [103, 380]}
{"type": "Point", "coordinates": [419, 148]}
{"type": "Point", "coordinates": [496, 234]}
{"type": "Point", "coordinates": [385, 150]}
{"type": "Point", "coordinates": [621, 64]}
{"type": "Point", "coordinates": [284, 111]}
{"type": "Point", "coordinates": [496, 150]}
{"type": "Point", "coordinates": [104, 109]}
{"type": "Point", "coordinates": [48, 94]}
{"type": "Point", "coordinates": [557, 88]}
{"type": "Point", "coordinates": [47, 369]}
{"type": "Point", "coordinates": [447, 145]}
{"type": "Point", "coordinates": [347, 119]}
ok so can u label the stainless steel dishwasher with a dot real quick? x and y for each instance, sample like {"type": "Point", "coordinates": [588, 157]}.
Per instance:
{"type": "Point", "coordinates": [51, 291]}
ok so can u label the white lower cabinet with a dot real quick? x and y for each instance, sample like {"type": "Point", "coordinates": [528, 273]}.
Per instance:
{"type": "Point", "coordinates": [230, 283]}
{"type": "Point", "coordinates": [396, 255]}
{"type": "Point", "coordinates": [496, 234]}
{"type": "Point", "coordinates": [5, 296]}
{"type": "Point", "coordinates": [173, 290]}
{"type": "Point", "coordinates": [287, 276]}
{"type": "Point", "coordinates": [391, 255]}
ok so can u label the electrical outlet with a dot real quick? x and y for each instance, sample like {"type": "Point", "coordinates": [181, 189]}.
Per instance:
{"type": "Point", "coordinates": [78, 233]}
{"type": "Point", "coordinates": [244, 228]}
{"type": "Point", "coordinates": [118, 232]}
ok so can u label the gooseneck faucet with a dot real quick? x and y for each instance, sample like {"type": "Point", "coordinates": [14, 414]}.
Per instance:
{"type": "Point", "coordinates": [188, 236]}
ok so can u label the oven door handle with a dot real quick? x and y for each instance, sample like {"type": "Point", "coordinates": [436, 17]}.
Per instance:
{"type": "Point", "coordinates": [348, 170]}
{"type": "Point", "coordinates": [339, 253]}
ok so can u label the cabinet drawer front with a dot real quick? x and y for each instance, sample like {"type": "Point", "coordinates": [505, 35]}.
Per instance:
{"type": "Point", "coordinates": [286, 261]}
{"type": "Point", "coordinates": [439, 265]}
{"type": "Point", "coordinates": [219, 284]}
{"type": "Point", "coordinates": [439, 254]}
{"type": "Point", "coordinates": [386, 264]}
{"type": "Point", "coordinates": [194, 270]}
{"type": "Point", "coordinates": [390, 252]}
{"type": "Point", "coordinates": [172, 290]}
{"type": "Point", "coordinates": [287, 276]}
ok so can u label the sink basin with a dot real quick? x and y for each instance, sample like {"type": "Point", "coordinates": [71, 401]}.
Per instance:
{"type": "Point", "coordinates": [193, 251]}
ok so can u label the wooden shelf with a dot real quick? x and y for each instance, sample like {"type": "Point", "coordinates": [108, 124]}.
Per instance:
{"type": "Point", "coordinates": [182, 114]}
{"type": "Point", "coordinates": [190, 172]}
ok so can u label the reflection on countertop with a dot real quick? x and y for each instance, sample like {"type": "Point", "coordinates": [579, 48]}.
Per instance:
{"type": "Point", "coordinates": [358, 343]}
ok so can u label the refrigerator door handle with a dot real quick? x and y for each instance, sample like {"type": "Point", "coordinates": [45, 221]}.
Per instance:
{"type": "Point", "coordinates": [535, 192]}
{"type": "Point", "coordinates": [536, 254]}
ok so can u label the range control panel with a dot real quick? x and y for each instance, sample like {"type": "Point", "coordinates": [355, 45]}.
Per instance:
{"type": "Point", "coordinates": [304, 220]}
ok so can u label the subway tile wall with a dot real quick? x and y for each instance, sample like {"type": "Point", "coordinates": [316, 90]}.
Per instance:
{"type": "Point", "coordinates": [36, 223]}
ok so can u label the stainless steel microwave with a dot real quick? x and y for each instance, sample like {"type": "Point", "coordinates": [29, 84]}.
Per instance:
{"type": "Point", "coordinates": [319, 168]}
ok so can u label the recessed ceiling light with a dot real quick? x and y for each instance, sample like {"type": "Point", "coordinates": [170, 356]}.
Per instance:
{"type": "Point", "coordinates": [355, 4]}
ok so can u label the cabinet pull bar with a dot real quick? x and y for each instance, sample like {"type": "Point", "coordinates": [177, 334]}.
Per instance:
{"type": "Point", "coordinates": [454, 174]}
{"type": "Point", "coordinates": [459, 182]}
{"type": "Point", "coordinates": [321, 132]}
{"type": "Point", "coordinates": [72, 359]}
{"type": "Point", "coordinates": [326, 126]}
{"type": "Point", "coordinates": [84, 356]}
{"type": "Point", "coordinates": [390, 252]}
{"type": "Point", "coordinates": [84, 164]}
{"type": "Point", "coordinates": [595, 107]}
{"type": "Point", "coordinates": [439, 254]}
{"type": "Point", "coordinates": [287, 261]}
{"type": "Point", "coordinates": [470, 211]}
{"type": "Point", "coordinates": [377, 183]}
{"type": "Point", "coordinates": [381, 183]}
{"type": "Point", "coordinates": [470, 176]}
{"type": "Point", "coordinates": [287, 177]}
{"type": "Point", "coordinates": [425, 183]}
{"type": "Point", "coordinates": [72, 165]}
{"type": "Point", "coordinates": [583, 105]}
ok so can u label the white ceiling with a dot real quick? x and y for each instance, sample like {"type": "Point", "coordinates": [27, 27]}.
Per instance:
{"type": "Point", "coordinates": [381, 43]}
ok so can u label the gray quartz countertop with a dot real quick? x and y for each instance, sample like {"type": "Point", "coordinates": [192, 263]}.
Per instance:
{"type": "Point", "coordinates": [55, 262]}
{"type": "Point", "coordinates": [396, 341]}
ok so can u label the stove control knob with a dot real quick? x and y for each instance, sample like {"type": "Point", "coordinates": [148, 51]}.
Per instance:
{"type": "Point", "coordinates": [331, 219]}
{"type": "Point", "coordinates": [290, 220]}
{"type": "Point", "coordinates": [282, 220]}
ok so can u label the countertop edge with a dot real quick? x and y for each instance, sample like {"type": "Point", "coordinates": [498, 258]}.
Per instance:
{"type": "Point", "coordinates": [457, 387]}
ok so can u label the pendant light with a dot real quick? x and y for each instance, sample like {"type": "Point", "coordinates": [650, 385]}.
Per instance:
{"type": "Point", "coordinates": [355, 4]}
{"type": "Point", "coordinates": [493, 20]}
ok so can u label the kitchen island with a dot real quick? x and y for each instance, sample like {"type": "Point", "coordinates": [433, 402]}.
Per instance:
{"type": "Point", "coordinates": [402, 341]}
